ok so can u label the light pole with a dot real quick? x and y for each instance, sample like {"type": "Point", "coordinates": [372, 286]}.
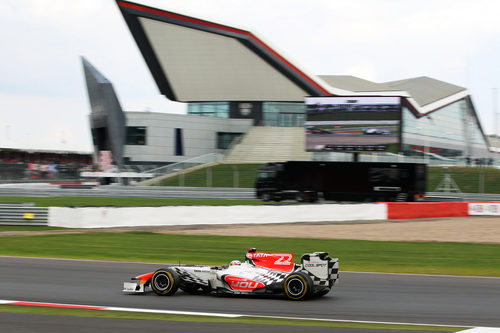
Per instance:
{"type": "Point", "coordinates": [427, 140]}
{"type": "Point", "coordinates": [495, 112]}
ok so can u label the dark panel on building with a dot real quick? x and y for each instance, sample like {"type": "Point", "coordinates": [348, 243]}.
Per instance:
{"type": "Point", "coordinates": [107, 119]}
{"type": "Point", "coordinates": [246, 110]}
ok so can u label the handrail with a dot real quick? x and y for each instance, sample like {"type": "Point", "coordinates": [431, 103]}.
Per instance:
{"type": "Point", "coordinates": [174, 167]}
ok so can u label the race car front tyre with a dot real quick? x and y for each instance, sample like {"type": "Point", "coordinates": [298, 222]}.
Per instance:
{"type": "Point", "coordinates": [298, 286]}
{"type": "Point", "coordinates": [165, 282]}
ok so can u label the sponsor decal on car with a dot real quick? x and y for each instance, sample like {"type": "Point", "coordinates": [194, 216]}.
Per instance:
{"type": "Point", "coordinates": [242, 284]}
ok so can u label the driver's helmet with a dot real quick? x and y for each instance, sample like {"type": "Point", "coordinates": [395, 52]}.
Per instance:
{"type": "Point", "coordinates": [235, 263]}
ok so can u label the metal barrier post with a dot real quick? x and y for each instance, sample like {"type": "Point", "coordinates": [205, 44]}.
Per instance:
{"type": "Point", "coordinates": [209, 177]}
{"type": "Point", "coordinates": [481, 181]}
{"type": "Point", "coordinates": [236, 176]}
{"type": "Point", "coordinates": [181, 178]}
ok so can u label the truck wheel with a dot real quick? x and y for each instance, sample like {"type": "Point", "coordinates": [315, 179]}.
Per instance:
{"type": "Point", "coordinates": [165, 282]}
{"type": "Point", "coordinates": [313, 197]}
{"type": "Point", "coordinates": [266, 197]}
{"type": "Point", "coordinates": [298, 286]}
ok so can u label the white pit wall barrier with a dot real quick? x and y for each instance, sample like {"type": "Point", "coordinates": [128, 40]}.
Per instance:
{"type": "Point", "coordinates": [106, 217]}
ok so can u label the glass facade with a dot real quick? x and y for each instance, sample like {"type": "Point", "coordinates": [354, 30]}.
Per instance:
{"type": "Point", "coordinates": [209, 109]}
{"type": "Point", "coordinates": [451, 132]}
{"type": "Point", "coordinates": [283, 114]}
{"type": "Point", "coordinates": [454, 122]}
{"type": "Point", "coordinates": [446, 123]}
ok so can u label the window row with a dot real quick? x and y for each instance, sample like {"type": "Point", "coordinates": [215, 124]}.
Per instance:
{"type": "Point", "coordinates": [136, 135]}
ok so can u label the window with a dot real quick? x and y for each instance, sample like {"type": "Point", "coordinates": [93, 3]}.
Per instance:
{"type": "Point", "coordinates": [209, 109]}
{"type": "Point", "coordinates": [135, 136]}
{"type": "Point", "coordinates": [283, 114]}
{"type": "Point", "coordinates": [224, 139]}
{"type": "Point", "coordinates": [179, 146]}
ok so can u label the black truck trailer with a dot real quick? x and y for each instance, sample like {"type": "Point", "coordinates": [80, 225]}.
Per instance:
{"type": "Point", "coordinates": [341, 181]}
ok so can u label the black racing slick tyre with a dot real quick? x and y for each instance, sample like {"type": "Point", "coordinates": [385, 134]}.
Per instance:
{"type": "Point", "coordinates": [298, 286]}
{"type": "Point", "coordinates": [165, 282]}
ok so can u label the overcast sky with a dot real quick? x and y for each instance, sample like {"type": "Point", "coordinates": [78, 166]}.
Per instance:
{"type": "Point", "coordinates": [43, 99]}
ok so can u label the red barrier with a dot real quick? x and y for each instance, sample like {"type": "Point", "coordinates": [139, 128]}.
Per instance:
{"type": "Point", "coordinates": [414, 210]}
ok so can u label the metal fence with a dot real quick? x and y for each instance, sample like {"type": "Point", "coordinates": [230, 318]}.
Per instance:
{"type": "Point", "coordinates": [464, 180]}
{"type": "Point", "coordinates": [16, 214]}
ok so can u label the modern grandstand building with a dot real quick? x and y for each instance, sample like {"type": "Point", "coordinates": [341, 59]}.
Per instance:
{"type": "Point", "coordinates": [236, 84]}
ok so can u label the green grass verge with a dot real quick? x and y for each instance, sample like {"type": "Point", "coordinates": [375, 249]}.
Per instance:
{"type": "Point", "coordinates": [124, 202]}
{"type": "Point", "coordinates": [355, 255]}
{"type": "Point", "coordinates": [208, 319]}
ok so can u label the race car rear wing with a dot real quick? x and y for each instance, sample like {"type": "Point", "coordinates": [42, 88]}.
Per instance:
{"type": "Point", "coordinates": [276, 261]}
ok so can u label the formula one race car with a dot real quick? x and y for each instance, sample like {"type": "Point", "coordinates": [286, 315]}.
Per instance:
{"type": "Point", "coordinates": [261, 273]}
{"type": "Point", "coordinates": [375, 131]}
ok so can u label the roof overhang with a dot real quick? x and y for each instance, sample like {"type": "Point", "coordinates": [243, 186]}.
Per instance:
{"type": "Point", "coordinates": [421, 111]}
{"type": "Point", "coordinates": [197, 60]}
{"type": "Point", "coordinates": [194, 60]}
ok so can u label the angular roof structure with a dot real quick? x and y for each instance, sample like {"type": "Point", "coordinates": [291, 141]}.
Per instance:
{"type": "Point", "coordinates": [106, 111]}
{"type": "Point", "coordinates": [355, 84]}
{"type": "Point", "coordinates": [426, 90]}
{"type": "Point", "coordinates": [197, 60]}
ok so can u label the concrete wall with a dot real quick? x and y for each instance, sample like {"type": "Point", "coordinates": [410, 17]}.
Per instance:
{"type": "Point", "coordinates": [105, 217]}
{"type": "Point", "coordinates": [102, 217]}
{"type": "Point", "coordinates": [199, 135]}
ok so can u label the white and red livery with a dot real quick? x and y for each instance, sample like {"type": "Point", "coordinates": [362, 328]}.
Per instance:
{"type": "Point", "coordinates": [261, 273]}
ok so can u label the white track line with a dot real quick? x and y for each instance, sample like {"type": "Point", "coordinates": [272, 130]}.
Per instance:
{"type": "Point", "coordinates": [225, 315]}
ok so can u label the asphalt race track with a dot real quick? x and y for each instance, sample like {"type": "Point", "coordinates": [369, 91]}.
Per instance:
{"type": "Point", "coordinates": [359, 296]}
{"type": "Point", "coordinates": [28, 323]}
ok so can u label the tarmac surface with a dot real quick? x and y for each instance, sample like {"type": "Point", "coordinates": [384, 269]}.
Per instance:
{"type": "Point", "coordinates": [28, 323]}
{"type": "Point", "coordinates": [425, 299]}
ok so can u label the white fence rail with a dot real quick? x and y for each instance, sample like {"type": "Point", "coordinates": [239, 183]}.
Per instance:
{"type": "Point", "coordinates": [189, 163]}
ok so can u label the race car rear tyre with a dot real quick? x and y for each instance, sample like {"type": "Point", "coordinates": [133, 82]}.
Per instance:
{"type": "Point", "coordinates": [298, 286]}
{"type": "Point", "coordinates": [165, 282]}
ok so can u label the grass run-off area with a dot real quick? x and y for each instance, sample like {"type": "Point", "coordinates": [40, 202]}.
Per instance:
{"type": "Point", "coordinates": [354, 255]}
{"type": "Point", "coordinates": [124, 202]}
{"type": "Point", "coordinates": [246, 320]}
